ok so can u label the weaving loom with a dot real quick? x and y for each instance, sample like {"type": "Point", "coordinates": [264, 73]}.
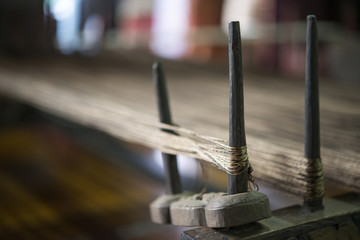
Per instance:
{"type": "Point", "coordinates": [116, 101]}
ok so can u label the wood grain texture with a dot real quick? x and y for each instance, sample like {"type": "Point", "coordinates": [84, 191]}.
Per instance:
{"type": "Point", "coordinates": [95, 92]}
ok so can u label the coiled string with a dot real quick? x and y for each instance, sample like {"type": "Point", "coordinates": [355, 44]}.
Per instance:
{"type": "Point", "coordinates": [314, 178]}
{"type": "Point", "coordinates": [239, 163]}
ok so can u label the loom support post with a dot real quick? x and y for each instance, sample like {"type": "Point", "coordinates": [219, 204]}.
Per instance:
{"type": "Point", "coordinates": [173, 183]}
{"type": "Point", "coordinates": [236, 183]}
{"type": "Point", "coordinates": [313, 199]}
{"type": "Point", "coordinates": [221, 210]}
{"type": "Point", "coordinates": [159, 209]}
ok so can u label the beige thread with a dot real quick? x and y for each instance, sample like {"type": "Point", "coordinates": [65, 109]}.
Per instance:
{"type": "Point", "coordinates": [138, 127]}
{"type": "Point", "coordinates": [315, 180]}
{"type": "Point", "coordinates": [239, 160]}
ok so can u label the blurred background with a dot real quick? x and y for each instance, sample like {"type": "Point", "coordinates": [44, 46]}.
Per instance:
{"type": "Point", "coordinates": [60, 180]}
{"type": "Point", "coordinates": [272, 30]}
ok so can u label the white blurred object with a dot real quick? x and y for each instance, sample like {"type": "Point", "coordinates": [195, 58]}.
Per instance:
{"type": "Point", "coordinates": [63, 9]}
{"type": "Point", "coordinates": [170, 27]}
{"type": "Point", "coordinates": [67, 14]}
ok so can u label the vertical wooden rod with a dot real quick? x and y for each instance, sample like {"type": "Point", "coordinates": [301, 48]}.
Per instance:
{"type": "Point", "coordinates": [236, 183]}
{"type": "Point", "coordinates": [312, 122]}
{"type": "Point", "coordinates": [173, 183]}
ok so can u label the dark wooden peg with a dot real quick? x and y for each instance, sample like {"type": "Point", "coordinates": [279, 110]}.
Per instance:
{"type": "Point", "coordinates": [312, 124]}
{"type": "Point", "coordinates": [173, 183]}
{"type": "Point", "coordinates": [312, 121]}
{"type": "Point", "coordinates": [236, 183]}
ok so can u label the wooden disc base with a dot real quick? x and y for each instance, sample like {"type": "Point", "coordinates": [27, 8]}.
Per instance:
{"type": "Point", "coordinates": [215, 210]}
{"type": "Point", "coordinates": [190, 211]}
{"type": "Point", "coordinates": [237, 209]}
{"type": "Point", "coordinates": [160, 207]}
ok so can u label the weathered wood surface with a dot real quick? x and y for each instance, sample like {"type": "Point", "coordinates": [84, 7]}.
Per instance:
{"type": "Point", "coordinates": [340, 219]}
{"type": "Point", "coordinates": [274, 115]}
